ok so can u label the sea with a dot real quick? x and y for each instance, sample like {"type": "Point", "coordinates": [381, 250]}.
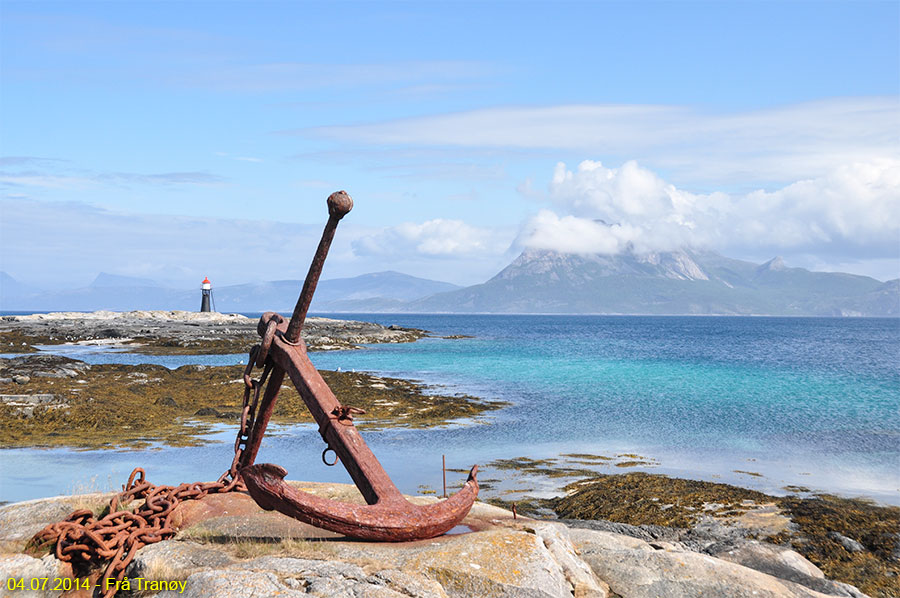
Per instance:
{"type": "Point", "coordinates": [776, 404]}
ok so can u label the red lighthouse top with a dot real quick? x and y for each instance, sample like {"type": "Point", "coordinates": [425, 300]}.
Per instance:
{"type": "Point", "coordinates": [205, 280]}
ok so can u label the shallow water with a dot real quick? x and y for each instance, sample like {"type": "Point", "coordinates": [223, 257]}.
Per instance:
{"type": "Point", "coordinates": [804, 401]}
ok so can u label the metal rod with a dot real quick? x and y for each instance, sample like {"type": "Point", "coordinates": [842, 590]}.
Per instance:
{"type": "Point", "coordinates": [444, 471]}
{"type": "Point", "coordinates": [339, 203]}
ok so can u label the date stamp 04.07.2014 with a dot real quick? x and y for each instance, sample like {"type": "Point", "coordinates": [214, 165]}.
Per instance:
{"type": "Point", "coordinates": [67, 584]}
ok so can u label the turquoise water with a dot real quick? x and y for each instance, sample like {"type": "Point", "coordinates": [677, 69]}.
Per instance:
{"type": "Point", "coordinates": [803, 401]}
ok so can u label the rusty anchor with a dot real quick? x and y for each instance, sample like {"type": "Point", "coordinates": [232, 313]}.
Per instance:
{"type": "Point", "coordinates": [85, 540]}
{"type": "Point", "coordinates": [387, 516]}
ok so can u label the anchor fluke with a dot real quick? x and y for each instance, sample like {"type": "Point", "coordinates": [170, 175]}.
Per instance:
{"type": "Point", "coordinates": [391, 519]}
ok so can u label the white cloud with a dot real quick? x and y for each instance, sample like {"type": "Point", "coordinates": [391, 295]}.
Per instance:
{"type": "Point", "coordinates": [852, 211]}
{"type": "Point", "coordinates": [437, 238]}
{"type": "Point", "coordinates": [570, 234]}
{"type": "Point", "coordinates": [774, 144]}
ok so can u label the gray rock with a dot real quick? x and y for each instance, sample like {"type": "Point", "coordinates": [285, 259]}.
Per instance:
{"type": "Point", "coordinates": [849, 544]}
{"type": "Point", "coordinates": [219, 583]}
{"type": "Point", "coordinates": [579, 575]}
{"type": "Point", "coordinates": [284, 576]}
{"type": "Point", "coordinates": [596, 541]}
{"type": "Point", "coordinates": [410, 584]}
{"type": "Point", "coordinates": [632, 568]}
{"type": "Point", "coordinates": [26, 405]}
{"type": "Point", "coordinates": [648, 533]}
{"type": "Point", "coordinates": [304, 567]}
{"type": "Point", "coordinates": [22, 369]}
{"type": "Point", "coordinates": [775, 560]}
{"type": "Point", "coordinates": [786, 564]}
{"type": "Point", "coordinates": [21, 520]}
{"type": "Point", "coordinates": [495, 562]}
{"type": "Point", "coordinates": [502, 557]}
{"type": "Point", "coordinates": [25, 567]}
{"type": "Point", "coordinates": [175, 560]}
{"type": "Point", "coordinates": [345, 588]}
{"type": "Point", "coordinates": [188, 327]}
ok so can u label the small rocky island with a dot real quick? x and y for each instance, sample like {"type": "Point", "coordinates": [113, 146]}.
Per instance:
{"type": "Point", "coordinates": [182, 332]}
{"type": "Point", "coordinates": [51, 400]}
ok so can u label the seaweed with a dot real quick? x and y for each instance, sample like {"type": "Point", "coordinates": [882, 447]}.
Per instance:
{"type": "Point", "coordinates": [115, 405]}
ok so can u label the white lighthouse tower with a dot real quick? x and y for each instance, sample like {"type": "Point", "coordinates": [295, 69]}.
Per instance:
{"type": "Point", "coordinates": [207, 294]}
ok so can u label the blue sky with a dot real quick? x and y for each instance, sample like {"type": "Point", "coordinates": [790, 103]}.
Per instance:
{"type": "Point", "coordinates": [179, 140]}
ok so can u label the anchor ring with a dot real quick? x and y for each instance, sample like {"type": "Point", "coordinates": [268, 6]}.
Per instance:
{"type": "Point", "coordinates": [336, 458]}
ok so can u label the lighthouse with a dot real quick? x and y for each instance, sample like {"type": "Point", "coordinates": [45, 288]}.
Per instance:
{"type": "Point", "coordinates": [207, 293]}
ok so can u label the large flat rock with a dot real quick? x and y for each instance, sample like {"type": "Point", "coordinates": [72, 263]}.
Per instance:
{"type": "Point", "coordinates": [227, 546]}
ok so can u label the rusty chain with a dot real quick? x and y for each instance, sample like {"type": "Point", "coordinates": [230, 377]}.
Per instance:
{"type": "Point", "coordinates": [86, 541]}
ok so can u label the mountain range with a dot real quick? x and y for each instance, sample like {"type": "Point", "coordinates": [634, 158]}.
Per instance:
{"type": "Point", "coordinates": [380, 291]}
{"type": "Point", "coordinates": [537, 281]}
{"type": "Point", "coordinates": [670, 283]}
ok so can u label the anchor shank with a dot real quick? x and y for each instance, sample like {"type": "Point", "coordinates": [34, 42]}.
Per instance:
{"type": "Point", "coordinates": [339, 203]}
{"type": "Point", "coordinates": [359, 461]}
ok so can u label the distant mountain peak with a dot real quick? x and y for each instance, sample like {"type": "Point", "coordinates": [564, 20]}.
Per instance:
{"type": "Point", "coordinates": [676, 265]}
{"type": "Point", "coordinates": [776, 264]}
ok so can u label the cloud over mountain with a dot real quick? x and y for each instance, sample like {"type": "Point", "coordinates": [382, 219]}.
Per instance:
{"type": "Point", "coordinates": [853, 210]}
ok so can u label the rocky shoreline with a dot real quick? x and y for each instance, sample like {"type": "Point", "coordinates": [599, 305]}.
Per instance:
{"type": "Point", "coordinates": [631, 535]}
{"type": "Point", "coordinates": [49, 400]}
{"type": "Point", "coordinates": [227, 546]}
{"type": "Point", "coordinates": [182, 332]}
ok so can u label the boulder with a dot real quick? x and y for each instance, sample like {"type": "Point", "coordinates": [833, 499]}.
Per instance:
{"type": "Point", "coordinates": [20, 521]}
{"type": "Point", "coordinates": [227, 546]}
{"type": "Point", "coordinates": [849, 544]}
{"type": "Point", "coordinates": [787, 564]}
{"type": "Point", "coordinates": [635, 569]}
{"type": "Point", "coordinates": [22, 566]}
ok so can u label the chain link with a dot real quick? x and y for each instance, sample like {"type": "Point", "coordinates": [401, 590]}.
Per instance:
{"type": "Point", "coordinates": [86, 541]}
